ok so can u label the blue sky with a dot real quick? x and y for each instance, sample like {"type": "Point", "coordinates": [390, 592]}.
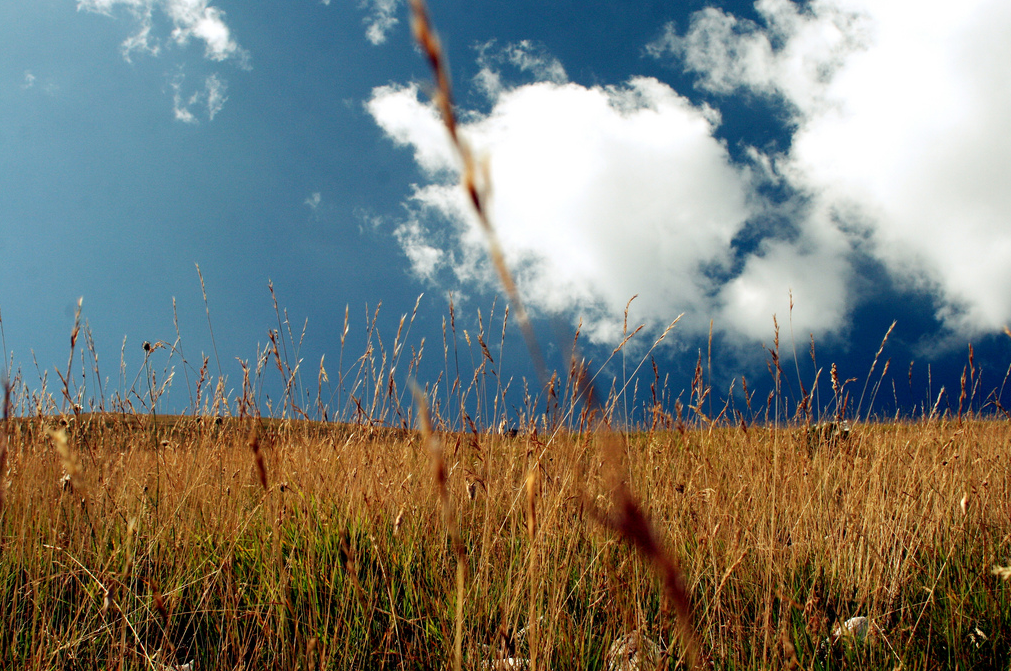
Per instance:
{"type": "Point", "coordinates": [709, 157]}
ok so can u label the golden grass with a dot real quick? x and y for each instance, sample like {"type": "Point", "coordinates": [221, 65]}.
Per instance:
{"type": "Point", "coordinates": [343, 557]}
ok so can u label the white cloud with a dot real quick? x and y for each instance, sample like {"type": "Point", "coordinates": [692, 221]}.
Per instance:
{"type": "Point", "coordinates": [730, 54]}
{"type": "Point", "coordinates": [901, 112]}
{"type": "Point", "coordinates": [212, 96]}
{"type": "Point", "coordinates": [141, 41]}
{"type": "Point", "coordinates": [415, 241]}
{"type": "Point", "coordinates": [381, 20]}
{"type": "Point", "coordinates": [815, 273]}
{"type": "Point", "coordinates": [179, 109]}
{"type": "Point", "coordinates": [314, 201]}
{"type": "Point", "coordinates": [526, 57]}
{"type": "Point", "coordinates": [898, 151]}
{"type": "Point", "coordinates": [46, 85]}
{"type": "Point", "coordinates": [193, 18]}
{"type": "Point", "coordinates": [600, 193]}
{"type": "Point", "coordinates": [397, 110]}
{"type": "Point", "coordinates": [190, 19]}
{"type": "Point", "coordinates": [215, 90]}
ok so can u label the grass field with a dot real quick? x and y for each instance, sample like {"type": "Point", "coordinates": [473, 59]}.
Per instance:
{"type": "Point", "coordinates": [145, 541]}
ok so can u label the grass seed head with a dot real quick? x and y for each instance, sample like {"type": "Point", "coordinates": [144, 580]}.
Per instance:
{"type": "Point", "coordinates": [72, 469]}
{"type": "Point", "coordinates": [261, 470]}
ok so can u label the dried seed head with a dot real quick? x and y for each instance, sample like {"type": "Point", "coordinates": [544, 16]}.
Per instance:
{"type": "Point", "coordinates": [261, 470]}
{"type": "Point", "coordinates": [398, 522]}
{"type": "Point", "coordinates": [71, 465]}
{"type": "Point", "coordinates": [531, 487]}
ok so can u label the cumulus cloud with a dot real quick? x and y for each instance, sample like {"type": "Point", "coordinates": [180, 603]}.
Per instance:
{"type": "Point", "coordinates": [410, 123]}
{"type": "Point", "coordinates": [900, 112]}
{"type": "Point", "coordinates": [794, 55]}
{"type": "Point", "coordinates": [600, 193]}
{"type": "Point", "coordinates": [806, 282]}
{"type": "Point", "coordinates": [896, 114]}
{"type": "Point", "coordinates": [29, 80]}
{"type": "Point", "coordinates": [381, 20]}
{"type": "Point", "coordinates": [190, 19]}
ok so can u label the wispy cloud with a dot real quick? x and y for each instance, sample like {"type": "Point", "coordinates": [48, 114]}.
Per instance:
{"type": "Point", "coordinates": [211, 97]}
{"type": "Point", "coordinates": [46, 85]}
{"type": "Point", "coordinates": [180, 109]}
{"type": "Point", "coordinates": [190, 19]}
{"type": "Point", "coordinates": [381, 20]}
{"type": "Point", "coordinates": [415, 240]}
{"type": "Point", "coordinates": [141, 41]}
{"type": "Point", "coordinates": [530, 60]}
{"type": "Point", "coordinates": [314, 201]}
{"type": "Point", "coordinates": [215, 90]}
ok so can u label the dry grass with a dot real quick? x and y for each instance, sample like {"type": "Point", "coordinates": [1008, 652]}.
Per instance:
{"type": "Point", "coordinates": [343, 560]}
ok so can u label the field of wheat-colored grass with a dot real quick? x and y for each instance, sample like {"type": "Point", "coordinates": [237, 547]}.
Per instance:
{"type": "Point", "coordinates": [132, 541]}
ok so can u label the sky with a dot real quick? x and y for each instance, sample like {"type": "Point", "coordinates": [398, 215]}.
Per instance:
{"type": "Point", "coordinates": [720, 160]}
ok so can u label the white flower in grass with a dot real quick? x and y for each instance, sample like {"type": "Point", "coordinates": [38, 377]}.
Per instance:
{"type": "Point", "coordinates": [854, 631]}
